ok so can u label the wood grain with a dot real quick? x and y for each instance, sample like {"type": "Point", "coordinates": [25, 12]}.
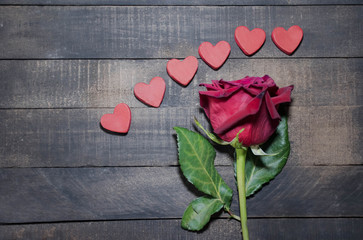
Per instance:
{"type": "Point", "coordinates": [44, 32]}
{"type": "Point", "coordinates": [179, 2]}
{"type": "Point", "coordinates": [218, 229]}
{"type": "Point", "coordinates": [74, 138]}
{"type": "Point", "coordinates": [75, 194]}
{"type": "Point", "coordinates": [105, 83]}
{"type": "Point", "coordinates": [65, 63]}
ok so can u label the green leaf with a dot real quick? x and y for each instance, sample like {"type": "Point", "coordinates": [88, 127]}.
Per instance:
{"type": "Point", "coordinates": [196, 158]}
{"type": "Point", "coordinates": [199, 211]}
{"type": "Point", "coordinates": [261, 169]}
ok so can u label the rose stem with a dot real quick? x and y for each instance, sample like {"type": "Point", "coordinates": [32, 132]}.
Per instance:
{"type": "Point", "coordinates": [240, 165]}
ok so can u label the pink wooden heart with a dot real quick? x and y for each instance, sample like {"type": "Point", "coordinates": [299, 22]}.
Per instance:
{"type": "Point", "coordinates": [119, 121]}
{"type": "Point", "coordinates": [216, 55]}
{"type": "Point", "coordinates": [182, 71]}
{"type": "Point", "coordinates": [287, 41]}
{"type": "Point", "coordinates": [249, 41]}
{"type": "Point", "coordinates": [151, 94]}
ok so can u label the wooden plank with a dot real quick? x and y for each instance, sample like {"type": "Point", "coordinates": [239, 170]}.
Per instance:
{"type": "Point", "coordinates": [78, 194]}
{"type": "Point", "coordinates": [105, 83]}
{"type": "Point", "coordinates": [267, 229]}
{"type": "Point", "coordinates": [73, 137]}
{"type": "Point", "coordinates": [179, 2]}
{"type": "Point", "coordinates": [38, 32]}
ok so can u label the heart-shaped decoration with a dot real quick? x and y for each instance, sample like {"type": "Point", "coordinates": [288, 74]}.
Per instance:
{"type": "Point", "coordinates": [249, 41]}
{"type": "Point", "coordinates": [216, 55]}
{"type": "Point", "coordinates": [119, 121]}
{"type": "Point", "coordinates": [182, 71]}
{"type": "Point", "coordinates": [151, 94]}
{"type": "Point", "coordinates": [287, 41]}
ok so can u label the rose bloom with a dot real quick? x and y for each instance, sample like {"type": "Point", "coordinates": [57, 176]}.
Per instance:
{"type": "Point", "coordinates": [250, 103]}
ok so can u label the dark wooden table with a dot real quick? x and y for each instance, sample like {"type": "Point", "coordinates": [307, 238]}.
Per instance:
{"type": "Point", "coordinates": [66, 63]}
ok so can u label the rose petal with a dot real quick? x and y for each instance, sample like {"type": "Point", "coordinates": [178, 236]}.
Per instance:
{"type": "Point", "coordinates": [250, 108]}
{"type": "Point", "coordinates": [252, 91]}
{"type": "Point", "coordinates": [283, 95]}
{"type": "Point", "coordinates": [262, 127]}
{"type": "Point", "coordinates": [271, 107]}
{"type": "Point", "coordinates": [219, 94]}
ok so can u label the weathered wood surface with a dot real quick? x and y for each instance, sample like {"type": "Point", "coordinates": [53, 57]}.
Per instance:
{"type": "Point", "coordinates": [73, 137]}
{"type": "Point", "coordinates": [74, 194]}
{"type": "Point", "coordinates": [105, 83]}
{"type": "Point", "coordinates": [54, 32]}
{"type": "Point", "coordinates": [62, 66]}
{"type": "Point", "coordinates": [179, 2]}
{"type": "Point", "coordinates": [260, 229]}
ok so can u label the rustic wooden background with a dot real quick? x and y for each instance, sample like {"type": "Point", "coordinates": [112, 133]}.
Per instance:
{"type": "Point", "coordinates": [65, 63]}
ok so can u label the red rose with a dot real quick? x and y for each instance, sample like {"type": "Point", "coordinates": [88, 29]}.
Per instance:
{"type": "Point", "coordinates": [250, 103]}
